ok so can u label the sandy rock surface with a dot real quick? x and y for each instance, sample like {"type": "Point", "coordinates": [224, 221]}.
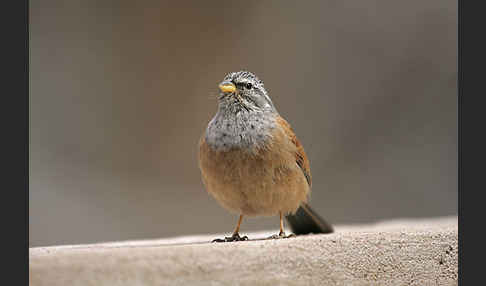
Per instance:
{"type": "Point", "coordinates": [398, 252]}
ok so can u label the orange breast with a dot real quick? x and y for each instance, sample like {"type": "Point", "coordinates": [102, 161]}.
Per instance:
{"type": "Point", "coordinates": [258, 181]}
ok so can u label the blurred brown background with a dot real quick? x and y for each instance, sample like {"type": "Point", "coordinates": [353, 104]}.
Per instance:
{"type": "Point", "coordinates": [120, 92]}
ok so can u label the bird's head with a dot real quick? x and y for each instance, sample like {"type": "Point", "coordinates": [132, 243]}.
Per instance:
{"type": "Point", "coordinates": [244, 91]}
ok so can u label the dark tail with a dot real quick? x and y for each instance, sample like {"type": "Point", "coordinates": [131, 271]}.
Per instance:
{"type": "Point", "coordinates": [306, 221]}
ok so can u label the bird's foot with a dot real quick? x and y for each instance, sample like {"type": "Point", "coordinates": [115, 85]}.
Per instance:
{"type": "Point", "coordinates": [281, 235]}
{"type": "Point", "coordinates": [234, 237]}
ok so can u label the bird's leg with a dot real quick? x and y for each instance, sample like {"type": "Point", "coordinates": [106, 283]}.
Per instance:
{"type": "Point", "coordinates": [281, 234]}
{"type": "Point", "coordinates": [236, 234]}
{"type": "Point", "coordinates": [237, 229]}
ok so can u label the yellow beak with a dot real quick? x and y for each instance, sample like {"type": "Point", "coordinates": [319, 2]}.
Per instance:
{"type": "Point", "coordinates": [227, 86]}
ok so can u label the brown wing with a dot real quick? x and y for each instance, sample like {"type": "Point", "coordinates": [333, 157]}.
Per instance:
{"type": "Point", "coordinates": [300, 156]}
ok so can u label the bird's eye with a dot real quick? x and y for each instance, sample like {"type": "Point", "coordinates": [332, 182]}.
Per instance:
{"type": "Point", "coordinates": [249, 85]}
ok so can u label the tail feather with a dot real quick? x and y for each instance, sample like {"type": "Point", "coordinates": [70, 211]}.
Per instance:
{"type": "Point", "coordinates": [306, 220]}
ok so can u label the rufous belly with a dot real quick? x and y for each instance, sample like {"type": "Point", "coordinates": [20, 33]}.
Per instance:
{"type": "Point", "coordinates": [258, 181]}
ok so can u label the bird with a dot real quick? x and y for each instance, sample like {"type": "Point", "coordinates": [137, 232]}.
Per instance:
{"type": "Point", "coordinates": [252, 163]}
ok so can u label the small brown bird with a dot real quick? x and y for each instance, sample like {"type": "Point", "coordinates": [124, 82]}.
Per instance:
{"type": "Point", "coordinates": [251, 161]}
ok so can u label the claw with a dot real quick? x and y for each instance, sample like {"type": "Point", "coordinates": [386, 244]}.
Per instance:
{"type": "Point", "coordinates": [234, 237]}
{"type": "Point", "coordinates": [281, 235]}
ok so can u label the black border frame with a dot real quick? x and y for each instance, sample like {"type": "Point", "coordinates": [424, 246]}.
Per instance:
{"type": "Point", "coordinates": [15, 141]}
{"type": "Point", "coordinates": [16, 136]}
{"type": "Point", "coordinates": [470, 83]}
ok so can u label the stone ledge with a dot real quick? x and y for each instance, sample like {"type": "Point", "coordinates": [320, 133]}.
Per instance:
{"type": "Point", "coordinates": [399, 252]}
